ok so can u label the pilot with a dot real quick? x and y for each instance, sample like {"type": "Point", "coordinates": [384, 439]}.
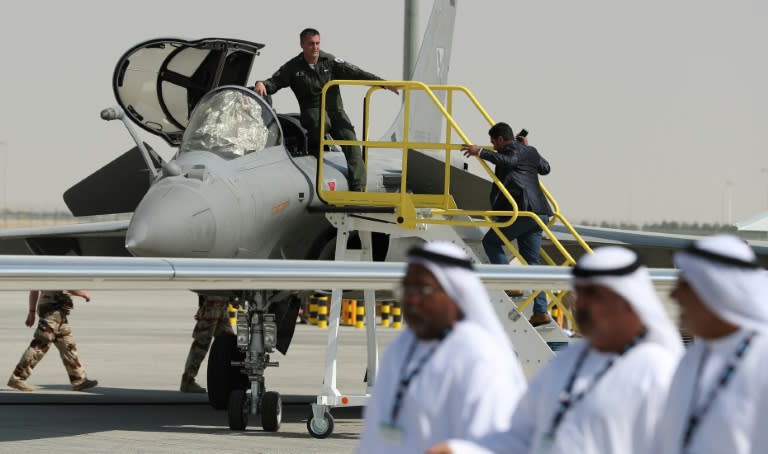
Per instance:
{"type": "Point", "coordinates": [212, 320]}
{"type": "Point", "coordinates": [306, 74]}
{"type": "Point", "coordinates": [53, 307]}
{"type": "Point", "coordinates": [603, 394]}
{"type": "Point", "coordinates": [517, 167]}
{"type": "Point", "coordinates": [452, 373]}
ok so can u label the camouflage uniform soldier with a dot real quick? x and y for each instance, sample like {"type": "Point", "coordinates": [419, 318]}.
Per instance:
{"type": "Point", "coordinates": [212, 320]}
{"type": "Point", "coordinates": [306, 74]}
{"type": "Point", "coordinates": [53, 307]}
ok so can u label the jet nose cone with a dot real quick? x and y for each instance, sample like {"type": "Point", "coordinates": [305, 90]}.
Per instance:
{"type": "Point", "coordinates": [171, 221]}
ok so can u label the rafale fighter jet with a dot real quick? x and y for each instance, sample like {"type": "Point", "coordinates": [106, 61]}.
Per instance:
{"type": "Point", "coordinates": [241, 185]}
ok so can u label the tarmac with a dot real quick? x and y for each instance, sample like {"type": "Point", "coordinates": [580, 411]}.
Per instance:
{"type": "Point", "coordinates": [135, 344]}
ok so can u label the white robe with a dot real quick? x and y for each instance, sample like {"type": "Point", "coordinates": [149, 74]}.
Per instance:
{"type": "Point", "coordinates": [467, 389]}
{"type": "Point", "coordinates": [618, 415]}
{"type": "Point", "coordinates": [736, 420]}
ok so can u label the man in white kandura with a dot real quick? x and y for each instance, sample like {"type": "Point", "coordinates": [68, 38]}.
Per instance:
{"type": "Point", "coordinates": [717, 401]}
{"type": "Point", "coordinates": [604, 394]}
{"type": "Point", "coordinates": [452, 373]}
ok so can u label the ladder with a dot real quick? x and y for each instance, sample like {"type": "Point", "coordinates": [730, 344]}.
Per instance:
{"type": "Point", "coordinates": [412, 209]}
{"type": "Point", "coordinates": [429, 217]}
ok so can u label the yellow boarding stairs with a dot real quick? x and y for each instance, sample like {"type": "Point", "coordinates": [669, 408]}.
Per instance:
{"type": "Point", "coordinates": [429, 217]}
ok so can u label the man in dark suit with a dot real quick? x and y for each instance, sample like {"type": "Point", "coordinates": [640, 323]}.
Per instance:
{"type": "Point", "coordinates": [518, 167]}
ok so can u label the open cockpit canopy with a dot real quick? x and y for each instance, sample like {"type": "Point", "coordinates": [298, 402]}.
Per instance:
{"type": "Point", "coordinates": [159, 82]}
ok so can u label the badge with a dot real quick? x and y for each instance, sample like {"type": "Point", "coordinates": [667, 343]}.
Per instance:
{"type": "Point", "coordinates": [391, 434]}
{"type": "Point", "coordinates": [339, 60]}
{"type": "Point", "coordinates": [300, 74]}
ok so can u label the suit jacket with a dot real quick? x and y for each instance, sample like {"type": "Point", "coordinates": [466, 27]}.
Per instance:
{"type": "Point", "coordinates": [518, 167]}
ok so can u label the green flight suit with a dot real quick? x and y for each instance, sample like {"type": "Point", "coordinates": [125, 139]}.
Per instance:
{"type": "Point", "coordinates": [307, 84]}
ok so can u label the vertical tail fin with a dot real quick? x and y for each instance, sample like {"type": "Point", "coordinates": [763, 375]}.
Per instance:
{"type": "Point", "coordinates": [431, 67]}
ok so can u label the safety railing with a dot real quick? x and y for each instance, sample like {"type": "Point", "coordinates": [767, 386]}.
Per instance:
{"type": "Point", "coordinates": [442, 207]}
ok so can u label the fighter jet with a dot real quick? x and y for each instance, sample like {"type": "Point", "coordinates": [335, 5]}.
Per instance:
{"type": "Point", "coordinates": [242, 184]}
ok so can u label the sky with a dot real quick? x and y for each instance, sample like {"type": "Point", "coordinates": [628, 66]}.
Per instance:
{"type": "Point", "coordinates": [646, 111]}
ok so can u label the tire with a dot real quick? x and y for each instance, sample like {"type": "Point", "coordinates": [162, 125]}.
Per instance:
{"type": "Point", "coordinates": [238, 409]}
{"type": "Point", "coordinates": [222, 377]}
{"type": "Point", "coordinates": [320, 428]}
{"type": "Point", "coordinates": [271, 411]}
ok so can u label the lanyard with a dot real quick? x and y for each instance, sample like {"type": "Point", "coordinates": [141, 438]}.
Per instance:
{"type": "Point", "coordinates": [568, 399]}
{"type": "Point", "coordinates": [695, 416]}
{"type": "Point", "coordinates": [406, 378]}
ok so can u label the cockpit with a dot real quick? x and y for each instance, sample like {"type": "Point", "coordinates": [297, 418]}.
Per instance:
{"type": "Point", "coordinates": [191, 94]}
{"type": "Point", "coordinates": [231, 122]}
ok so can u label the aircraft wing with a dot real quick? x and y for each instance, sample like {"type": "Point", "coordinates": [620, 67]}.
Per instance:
{"type": "Point", "coordinates": [655, 248]}
{"type": "Point", "coordinates": [133, 273]}
{"type": "Point", "coordinates": [95, 238]}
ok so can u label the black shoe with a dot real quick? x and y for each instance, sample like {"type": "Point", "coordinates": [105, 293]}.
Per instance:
{"type": "Point", "coordinates": [539, 319]}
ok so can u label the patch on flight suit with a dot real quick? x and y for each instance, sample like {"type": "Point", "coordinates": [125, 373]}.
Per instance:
{"type": "Point", "coordinates": [339, 60]}
{"type": "Point", "coordinates": [300, 74]}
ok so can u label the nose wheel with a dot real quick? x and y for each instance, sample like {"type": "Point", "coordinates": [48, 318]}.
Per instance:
{"type": "Point", "coordinates": [271, 411]}
{"type": "Point", "coordinates": [238, 409]}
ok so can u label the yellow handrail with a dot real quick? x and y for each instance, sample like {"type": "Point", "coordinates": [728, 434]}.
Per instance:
{"type": "Point", "coordinates": [443, 205]}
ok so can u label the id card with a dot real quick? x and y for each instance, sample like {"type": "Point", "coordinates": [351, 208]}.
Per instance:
{"type": "Point", "coordinates": [391, 434]}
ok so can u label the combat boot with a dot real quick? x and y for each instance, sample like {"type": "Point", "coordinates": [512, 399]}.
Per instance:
{"type": "Point", "coordinates": [21, 385]}
{"type": "Point", "coordinates": [191, 387]}
{"type": "Point", "coordinates": [85, 385]}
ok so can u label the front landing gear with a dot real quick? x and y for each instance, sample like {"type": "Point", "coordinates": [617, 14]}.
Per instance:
{"type": "Point", "coordinates": [257, 338]}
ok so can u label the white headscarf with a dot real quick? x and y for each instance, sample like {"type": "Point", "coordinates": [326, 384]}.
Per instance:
{"type": "Point", "coordinates": [453, 270]}
{"type": "Point", "coordinates": [620, 270]}
{"type": "Point", "coordinates": [724, 272]}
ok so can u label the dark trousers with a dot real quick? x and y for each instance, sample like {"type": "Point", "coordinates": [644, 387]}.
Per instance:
{"type": "Point", "coordinates": [528, 235]}
{"type": "Point", "coordinates": [337, 124]}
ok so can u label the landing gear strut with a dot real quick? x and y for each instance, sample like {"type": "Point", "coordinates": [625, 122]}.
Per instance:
{"type": "Point", "coordinates": [257, 337]}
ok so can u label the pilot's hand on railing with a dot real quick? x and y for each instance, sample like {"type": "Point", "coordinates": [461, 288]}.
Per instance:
{"type": "Point", "coordinates": [471, 150]}
{"type": "Point", "coordinates": [260, 89]}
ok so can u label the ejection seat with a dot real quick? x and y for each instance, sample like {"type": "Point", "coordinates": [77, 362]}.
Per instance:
{"type": "Point", "coordinates": [294, 134]}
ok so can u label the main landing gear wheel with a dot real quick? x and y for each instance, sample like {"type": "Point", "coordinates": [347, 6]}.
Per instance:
{"type": "Point", "coordinates": [238, 409]}
{"type": "Point", "coordinates": [271, 411]}
{"type": "Point", "coordinates": [222, 377]}
{"type": "Point", "coordinates": [320, 428]}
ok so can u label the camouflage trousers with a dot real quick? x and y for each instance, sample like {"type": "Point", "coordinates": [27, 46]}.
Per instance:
{"type": "Point", "coordinates": [212, 320]}
{"type": "Point", "coordinates": [52, 328]}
